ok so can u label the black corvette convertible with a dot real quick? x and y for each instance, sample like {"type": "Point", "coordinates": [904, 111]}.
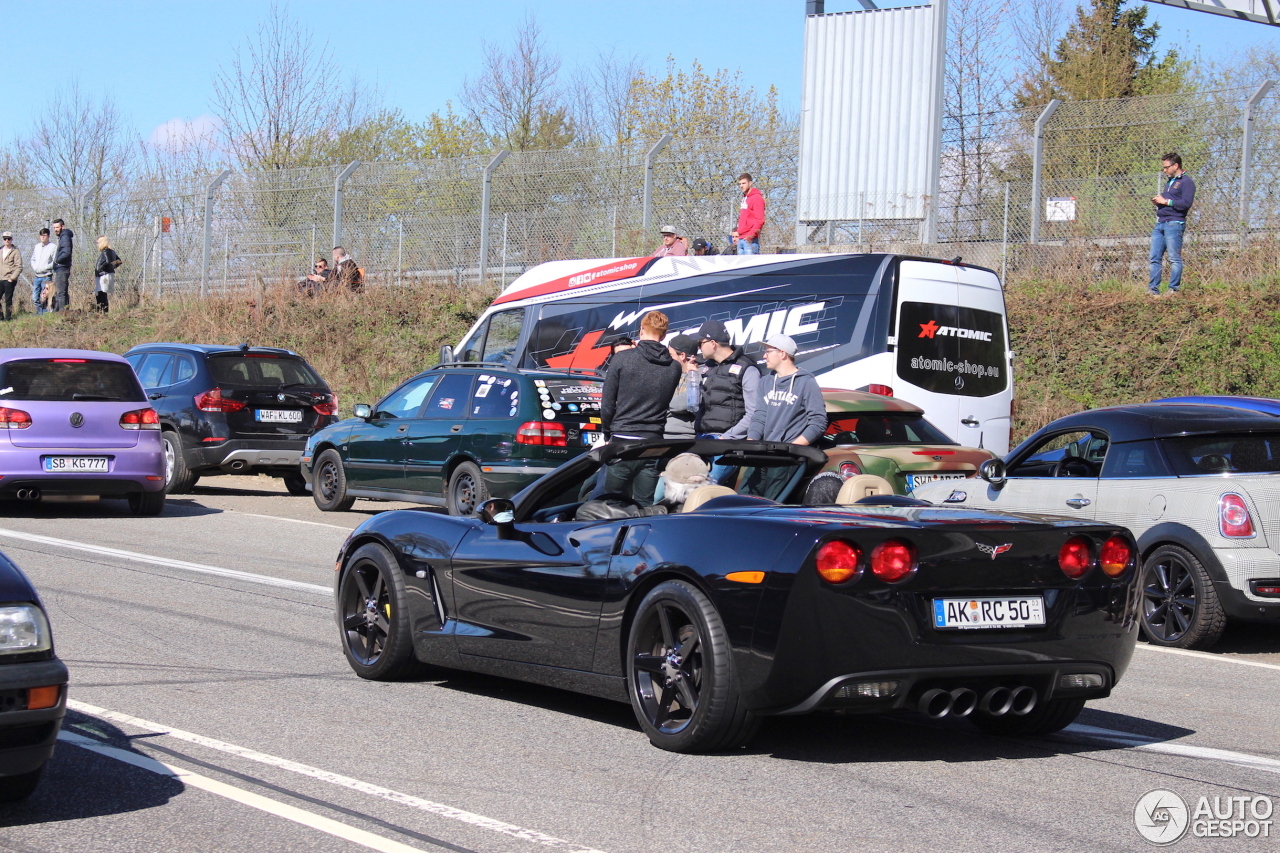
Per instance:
{"type": "Point", "coordinates": [709, 612]}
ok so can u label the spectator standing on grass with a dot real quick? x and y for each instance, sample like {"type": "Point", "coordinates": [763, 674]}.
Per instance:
{"type": "Point", "coordinates": [104, 273]}
{"type": "Point", "coordinates": [41, 269]}
{"type": "Point", "coordinates": [62, 264]}
{"type": "Point", "coordinates": [683, 410]}
{"type": "Point", "coordinates": [750, 217]}
{"type": "Point", "coordinates": [637, 392]}
{"type": "Point", "coordinates": [1172, 206]}
{"type": "Point", "coordinates": [345, 272]}
{"type": "Point", "coordinates": [790, 409]}
{"type": "Point", "coordinates": [10, 269]}
{"type": "Point", "coordinates": [673, 245]}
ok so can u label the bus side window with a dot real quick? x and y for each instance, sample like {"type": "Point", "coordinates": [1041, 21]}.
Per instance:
{"type": "Point", "coordinates": [473, 348]}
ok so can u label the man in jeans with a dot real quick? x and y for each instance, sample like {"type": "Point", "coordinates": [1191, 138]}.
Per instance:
{"type": "Point", "coordinates": [41, 269]}
{"type": "Point", "coordinates": [750, 217]}
{"type": "Point", "coordinates": [10, 269]}
{"type": "Point", "coordinates": [62, 265]}
{"type": "Point", "coordinates": [1172, 206]}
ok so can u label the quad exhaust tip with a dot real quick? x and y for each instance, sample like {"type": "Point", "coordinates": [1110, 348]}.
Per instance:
{"type": "Point", "coordinates": [961, 702]}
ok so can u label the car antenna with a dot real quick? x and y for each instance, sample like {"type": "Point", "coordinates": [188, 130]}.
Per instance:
{"type": "Point", "coordinates": [957, 259]}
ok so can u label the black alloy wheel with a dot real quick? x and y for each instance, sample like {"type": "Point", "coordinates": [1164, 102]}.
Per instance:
{"type": "Point", "coordinates": [374, 617]}
{"type": "Point", "coordinates": [1180, 607]}
{"type": "Point", "coordinates": [178, 479]}
{"type": "Point", "coordinates": [680, 673]}
{"type": "Point", "coordinates": [466, 490]}
{"type": "Point", "coordinates": [296, 484]}
{"type": "Point", "coordinates": [1045, 718]}
{"type": "Point", "coordinates": [329, 483]}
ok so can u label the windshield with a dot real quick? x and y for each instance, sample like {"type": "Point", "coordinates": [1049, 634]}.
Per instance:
{"type": "Point", "coordinates": [880, 428]}
{"type": "Point", "coordinates": [262, 371]}
{"type": "Point", "coordinates": [1255, 453]}
{"type": "Point", "coordinates": [68, 379]}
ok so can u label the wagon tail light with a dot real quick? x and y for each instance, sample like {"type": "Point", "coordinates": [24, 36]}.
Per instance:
{"type": "Point", "coordinates": [543, 433]}
{"type": "Point", "coordinates": [140, 419]}
{"type": "Point", "coordinates": [328, 406]}
{"type": "Point", "coordinates": [839, 561]}
{"type": "Point", "coordinates": [1234, 520]}
{"type": "Point", "coordinates": [1075, 557]}
{"type": "Point", "coordinates": [893, 560]}
{"type": "Point", "coordinates": [14, 419]}
{"type": "Point", "coordinates": [213, 401]}
{"type": "Point", "coordinates": [1115, 556]}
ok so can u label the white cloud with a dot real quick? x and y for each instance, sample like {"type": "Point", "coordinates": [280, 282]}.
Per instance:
{"type": "Point", "coordinates": [178, 133]}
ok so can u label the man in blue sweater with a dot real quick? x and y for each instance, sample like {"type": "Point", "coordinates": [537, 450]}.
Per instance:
{"type": "Point", "coordinates": [1172, 206]}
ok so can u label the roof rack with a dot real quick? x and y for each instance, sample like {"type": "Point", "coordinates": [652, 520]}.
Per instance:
{"type": "Point", "coordinates": [500, 364]}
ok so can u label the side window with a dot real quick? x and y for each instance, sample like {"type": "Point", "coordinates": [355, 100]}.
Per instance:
{"type": "Point", "coordinates": [472, 348]}
{"type": "Point", "coordinates": [135, 359]}
{"type": "Point", "coordinates": [183, 369]}
{"type": "Point", "coordinates": [1135, 459]}
{"type": "Point", "coordinates": [406, 401]}
{"type": "Point", "coordinates": [450, 397]}
{"type": "Point", "coordinates": [495, 396]}
{"type": "Point", "coordinates": [504, 334]}
{"type": "Point", "coordinates": [152, 369]}
{"type": "Point", "coordinates": [1067, 454]}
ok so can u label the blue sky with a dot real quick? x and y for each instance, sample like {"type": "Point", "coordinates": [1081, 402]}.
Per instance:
{"type": "Point", "coordinates": [156, 59]}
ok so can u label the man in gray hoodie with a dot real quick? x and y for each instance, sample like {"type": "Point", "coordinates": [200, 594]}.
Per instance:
{"type": "Point", "coordinates": [790, 409]}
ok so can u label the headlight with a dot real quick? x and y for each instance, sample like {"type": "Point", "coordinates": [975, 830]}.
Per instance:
{"type": "Point", "coordinates": [23, 628]}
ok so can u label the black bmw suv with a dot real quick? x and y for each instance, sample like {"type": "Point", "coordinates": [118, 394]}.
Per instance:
{"type": "Point", "coordinates": [233, 410]}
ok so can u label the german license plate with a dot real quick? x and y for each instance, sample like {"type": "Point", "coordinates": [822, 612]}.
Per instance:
{"type": "Point", "coordinates": [594, 438]}
{"type": "Point", "coordinates": [78, 464]}
{"type": "Point", "coordinates": [914, 480]}
{"type": "Point", "coordinates": [1010, 612]}
{"type": "Point", "coordinates": [278, 416]}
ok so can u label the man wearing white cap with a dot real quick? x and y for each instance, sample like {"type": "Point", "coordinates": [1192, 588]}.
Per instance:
{"type": "Point", "coordinates": [672, 243]}
{"type": "Point", "coordinates": [10, 269]}
{"type": "Point", "coordinates": [791, 409]}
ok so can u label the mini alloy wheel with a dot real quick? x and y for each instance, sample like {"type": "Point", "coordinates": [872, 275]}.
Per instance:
{"type": "Point", "coordinates": [1179, 605]}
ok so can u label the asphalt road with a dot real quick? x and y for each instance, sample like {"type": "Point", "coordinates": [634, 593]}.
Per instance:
{"type": "Point", "coordinates": [213, 710]}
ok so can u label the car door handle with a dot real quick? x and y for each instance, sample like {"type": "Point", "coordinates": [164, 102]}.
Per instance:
{"type": "Point", "coordinates": [456, 428]}
{"type": "Point", "coordinates": [1078, 503]}
{"type": "Point", "coordinates": [970, 421]}
{"type": "Point", "coordinates": [404, 428]}
{"type": "Point", "coordinates": [155, 396]}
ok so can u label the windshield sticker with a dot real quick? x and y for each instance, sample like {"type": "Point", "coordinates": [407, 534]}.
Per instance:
{"type": "Point", "coordinates": [548, 414]}
{"type": "Point", "coordinates": [483, 390]}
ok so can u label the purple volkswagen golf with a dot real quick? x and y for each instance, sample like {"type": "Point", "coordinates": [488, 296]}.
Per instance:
{"type": "Point", "coordinates": [77, 422]}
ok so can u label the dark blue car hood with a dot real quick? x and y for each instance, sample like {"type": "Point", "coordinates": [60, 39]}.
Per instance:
{"type": "Point", "coordinates": [14, 585]}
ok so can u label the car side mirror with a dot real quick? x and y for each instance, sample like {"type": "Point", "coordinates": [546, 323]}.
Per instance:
{"type": "Point", "coordinates": [363, 411]}
{"type": "Point", "coordinates": [993, 471]}
{"type": "Point", "coordinates": [446, 354]}
{"type": "Point", "coordinates": [501, 513]}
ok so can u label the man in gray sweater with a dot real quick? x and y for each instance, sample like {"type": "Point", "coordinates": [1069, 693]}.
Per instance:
{"type": "Point", "coordinates": [790, 409]}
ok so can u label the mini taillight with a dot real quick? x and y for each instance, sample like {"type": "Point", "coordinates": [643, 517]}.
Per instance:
{"type": "Point", "coordinates": [14, 419]}
{"type": "Point", "coordinates": [213, 401]}
{"type": "Point", "coordinates": [1075, 557]}
{"type": "Point", "coordinates": [893, 560]}
{"type": "Point", "coordinates": [543, 433]}
{"type": "Point", "coordinates": [140, 419]}
{"type": "Point", "coordinates": [839, 561]}
{"type": "Point", "coordinates": [849, 469]}
{"type": "Point", "coordinates": [1233, 517]}
{"type": "Point", "coordinates": [882, 390]}
{"type": "Point", "coordinates": [1115, 556]}
{"type": "Point", "coordinates": [329, 407]}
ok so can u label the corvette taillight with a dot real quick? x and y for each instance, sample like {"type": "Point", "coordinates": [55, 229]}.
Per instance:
{"type": "Point", "coordinates": [14, 419]}
{"type": "Point", "coordinates": [140, 419]}
{"type": "Point", "coordinates": [839, 561]}
{"type": "Point", "coordinates": [213, 401]}
{"type": "Point", "coordinates": [893, 560]}
{"type": "Point", "coordinates": [1234, 520]}
{"type": "Point", "coordinates": [1114, 557]}
{"type": "Point", "coordinates": [1075, 557]}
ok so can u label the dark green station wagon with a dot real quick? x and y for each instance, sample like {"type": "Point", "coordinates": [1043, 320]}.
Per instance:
{"type": "Point", "coordinates": [454, 436]}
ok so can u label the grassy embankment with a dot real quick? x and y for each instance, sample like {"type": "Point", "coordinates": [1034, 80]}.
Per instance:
{"type": "Point", "coordinates": [1078, 347]}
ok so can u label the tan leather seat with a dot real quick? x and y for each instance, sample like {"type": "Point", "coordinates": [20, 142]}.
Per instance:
{"type": "Point", "coordinates": [702, 494]}
{"type": "Point", "coordinates": [862, 486]}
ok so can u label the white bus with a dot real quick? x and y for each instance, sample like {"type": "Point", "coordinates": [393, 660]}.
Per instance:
{"type": "Point", "coordinates": [931, 332]}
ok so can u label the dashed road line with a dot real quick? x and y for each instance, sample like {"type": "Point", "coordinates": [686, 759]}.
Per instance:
{"type": "Point", "coordinates": [1148, 744]}
{"type": "Point", "coordinates": [1205, 656]}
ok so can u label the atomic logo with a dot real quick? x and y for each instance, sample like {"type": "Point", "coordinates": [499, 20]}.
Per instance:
{"type": "Point", "coordinates": [929, 329]}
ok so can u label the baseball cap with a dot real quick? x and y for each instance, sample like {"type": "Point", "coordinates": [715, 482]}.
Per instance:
{"type": "Point", "coordinates": [6, 234]}
{"type": "Point", "coordinates": [685, 466]}
{"type": "Point", "coordinates": [684, 344]}
{"type": "Point", "coordinates": [669, 229]}
{"type": "Point", "coordinates": [784, 343]}
{"type": "Point", "coordinates": [714, 330]}
{"type": "Point", "coordinates": [701, 243]}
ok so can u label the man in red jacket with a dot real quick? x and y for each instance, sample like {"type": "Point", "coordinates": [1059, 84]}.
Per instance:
{"type": "Point", "coordinates": [750, 217]}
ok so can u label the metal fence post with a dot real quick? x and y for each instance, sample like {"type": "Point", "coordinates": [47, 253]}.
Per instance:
{"type": "Point", "coordinates": [208, 230]}
{"type": "Point", "coordinates": [400, 252]}
{"type": "Point", "coordinates": [1246, 157]}
{"type": "Point", "coordinates": [1004, 251]}
{"type": "Point", "coordinates": [647, 214]}
{"type": "Point", "coordinates": [484, 211]}
{"type": "Point", "coordinates": [337, 200]}
{"type": "Point", "coordinates": [1037, 166]}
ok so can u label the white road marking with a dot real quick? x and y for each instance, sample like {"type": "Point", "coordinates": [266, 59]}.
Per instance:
{"type": "Point", "coordinates": [294, 520]}
{"type": "Point", "coordinates": [1133, 741]}
{"type": "Point", "coordinates": [182, 565]}
{"type": "Point", "coordinates": [1204, 656]}
{"type": "Point", "coordinates": [248, 798]}
{"type": "Point", "coordinates": [378, 791]}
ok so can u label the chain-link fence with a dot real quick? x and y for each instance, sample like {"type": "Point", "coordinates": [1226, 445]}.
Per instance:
{"type": "Point", "coordinates": [1000, 205]}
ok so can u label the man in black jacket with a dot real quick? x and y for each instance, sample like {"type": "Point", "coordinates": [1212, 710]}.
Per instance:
{"type": "Point", "coordinates": [637, 392]}
{"type": "Point", "coordinates": [62, 265]}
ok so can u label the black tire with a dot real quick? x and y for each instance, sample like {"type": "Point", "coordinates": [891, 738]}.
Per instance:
{"type": "Point", "coordinates": [296, 484]}
{"type": "Point", "coordinates": [374, 617]}
{"type": "Point", "coordinates": [19, 787]}
{"type": "Point", "coordinates": [1044, 719]}
{"type": "Point", "coordinates": [680, 673]}
{"type": "Point", "coordinates": [329, 483]}
{"type": "Point", "coordinates": [1180, 607]}
{"type": "Point", "coordinates": [467, 490]}
{"type": "Point", "coordinates": [178, 479]}
{"type": "Point", "coordinates": [146, 503]}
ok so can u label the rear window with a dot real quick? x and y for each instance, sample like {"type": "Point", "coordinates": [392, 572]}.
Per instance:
{"type": "Point", "coordinates": [65, 380]}
{"type": "Point", "coordinates": [1256, 453]}
{"type": "Point", "coordinates": [881, 428]}
{"type": "Point", "coordinates": [253, 371]}
{"type": "Point", "coordinates": [569, 397]}
{"type": "Point", "coordinates": [951, 350]}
